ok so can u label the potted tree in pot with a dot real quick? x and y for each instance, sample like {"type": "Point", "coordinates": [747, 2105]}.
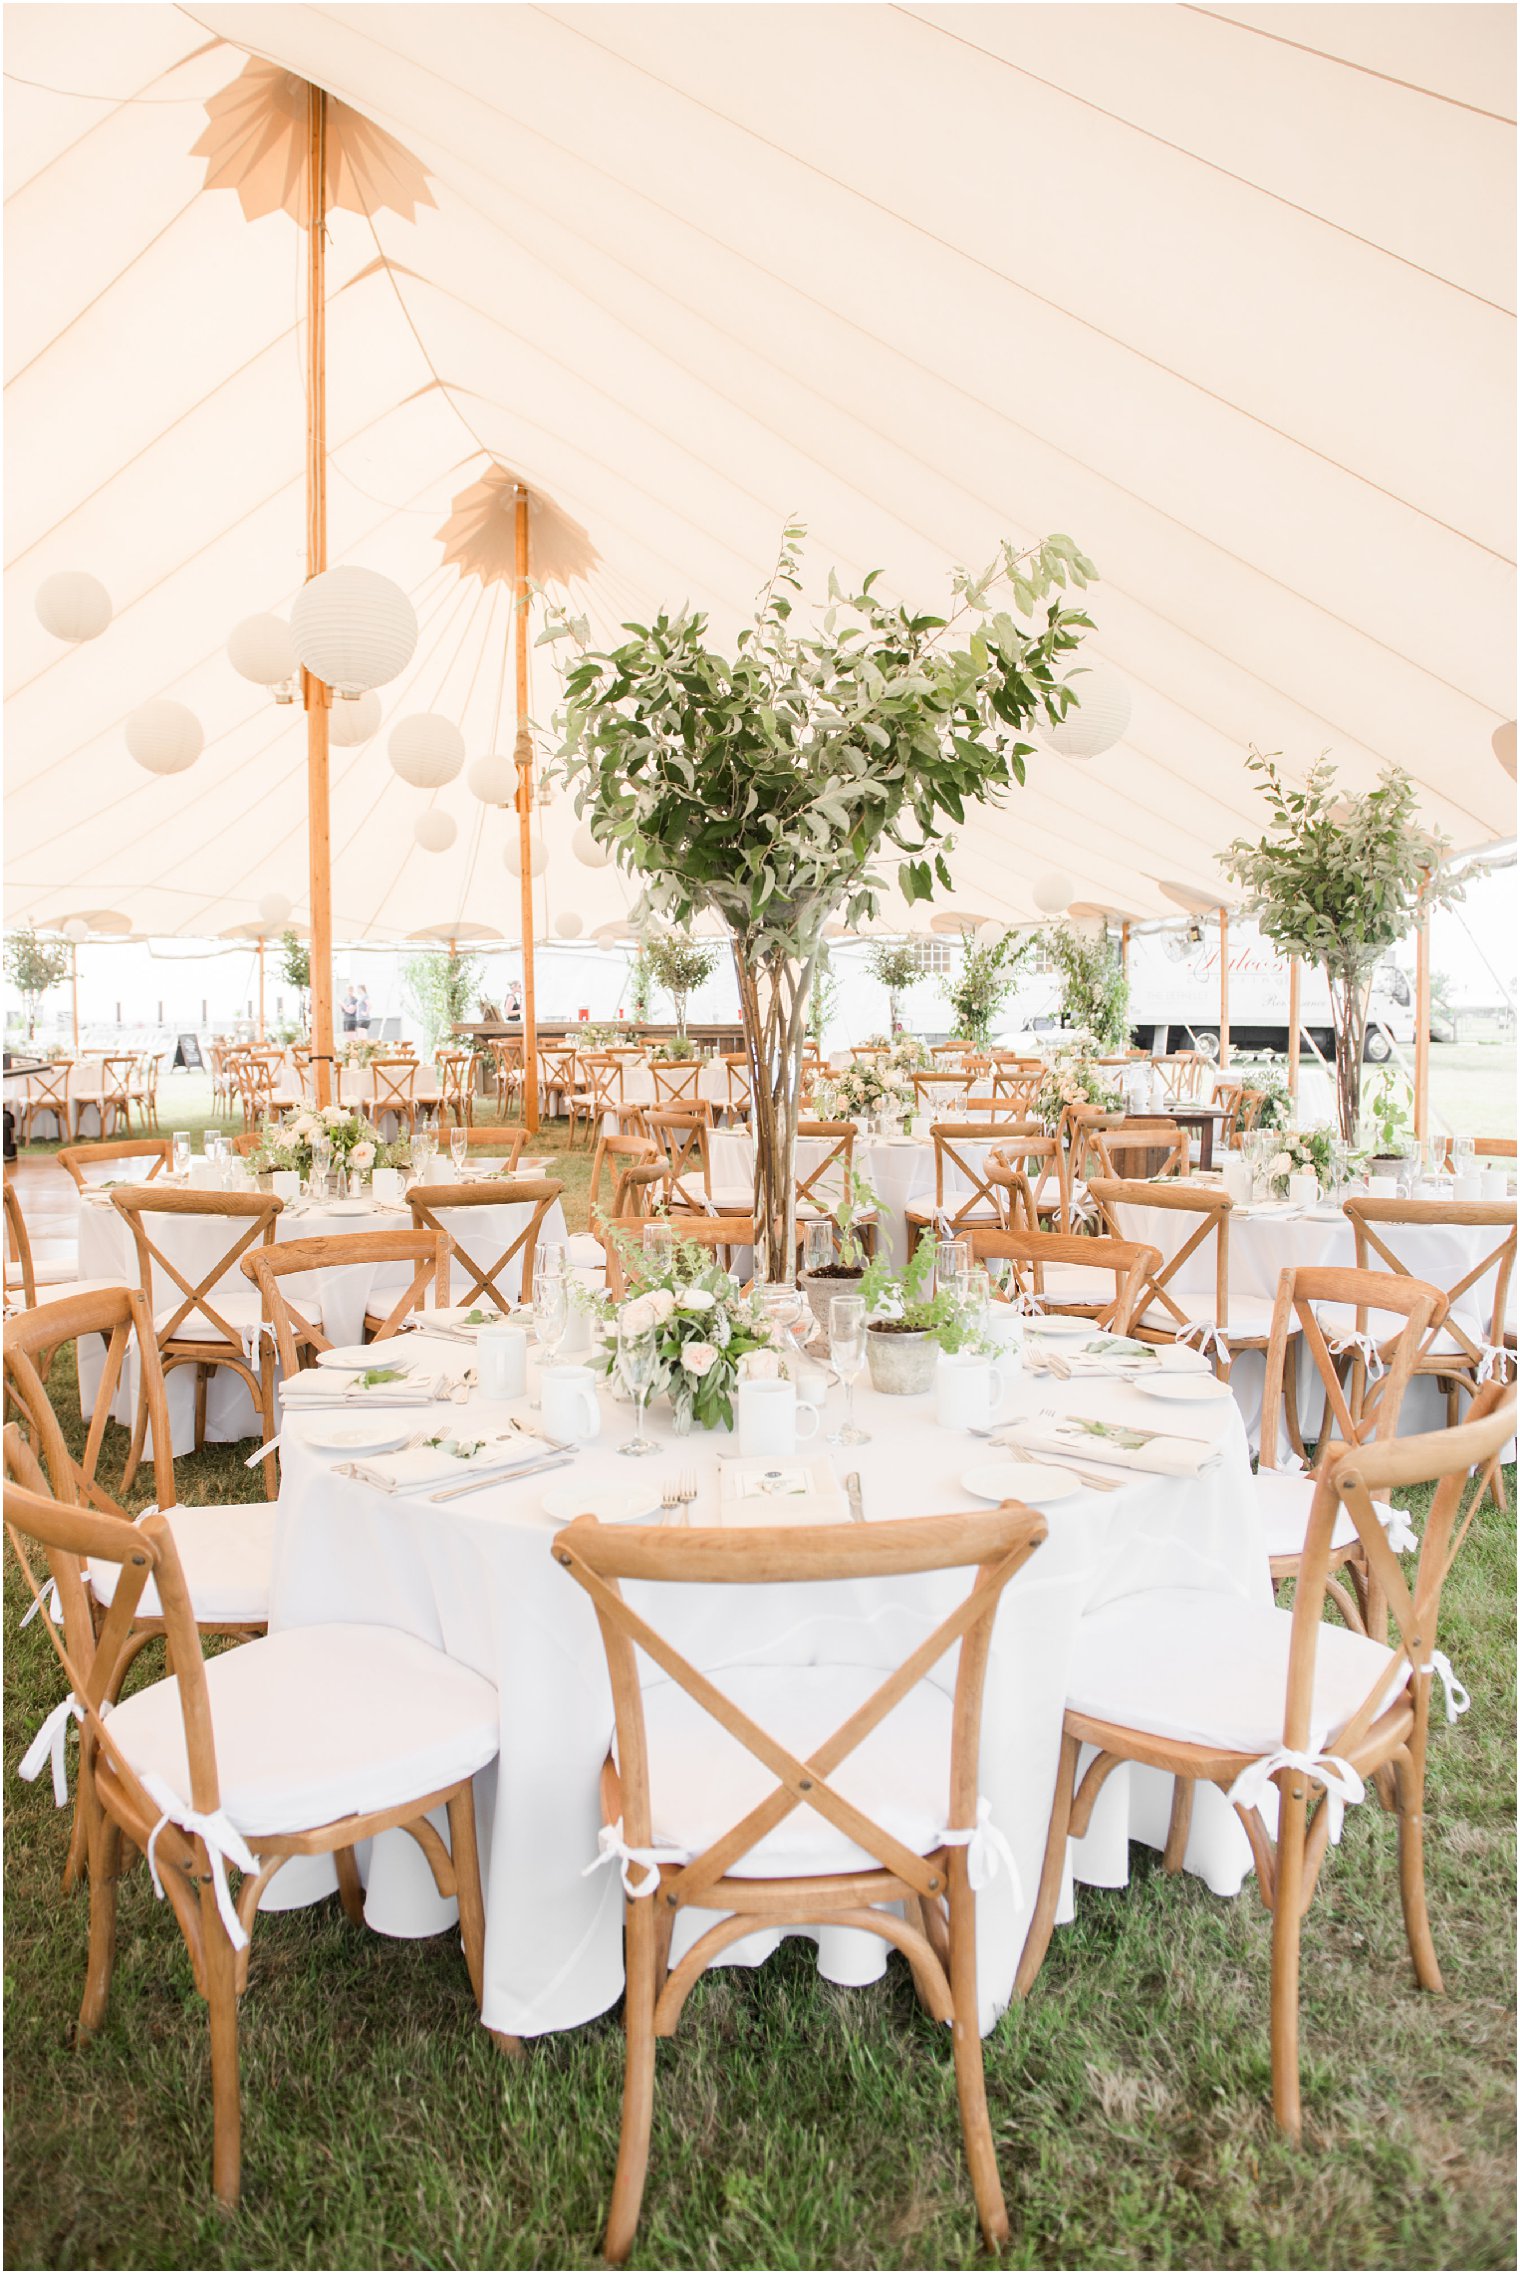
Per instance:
{"type": "Point", "coordinates": [896, 965]}
{"type": "Point", "coordinates": [1339, 880]}
{"type": "Point", "coordinates": [842, 1275]}
{"type": "Point", "coordinates": [906, 1326]}
{"type": "Point", "coordinates": [678, 963]}
{"type": "Point", "coordinates": [763, 787]}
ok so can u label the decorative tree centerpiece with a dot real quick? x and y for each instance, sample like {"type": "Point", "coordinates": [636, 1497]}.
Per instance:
{"type": "Point", "coordinates": [983, 984]}
{"type": "Point", "coordinates": [1339, 880]}
{"type": "Point", "coordinates": [439, 992]}
{"type": "Point", "coordinates": [896, 965]}
{"type": "Point", "coordinates": [34, 968]}
{"type": "Point", "coordinates": [295, 970]}
{"type": "Point", "coordinates": [1094, 987]}
{"type": "Point", "coordinates": [764, 787]}
{"type": "Point", "coordinates": [678, 963]}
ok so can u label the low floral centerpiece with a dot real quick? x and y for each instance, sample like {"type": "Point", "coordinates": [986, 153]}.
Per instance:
{"type": "Point", "coordinates": [1073, 1077]}
{"type": "Point", "coordinates": [861, 1090]}
{"type": "Point", "coordinates": [286, 1143]}
{"type": "Point", "coordinates": [704, 1328]}
{"type": "Point", "coordinates": [1300, 1149]}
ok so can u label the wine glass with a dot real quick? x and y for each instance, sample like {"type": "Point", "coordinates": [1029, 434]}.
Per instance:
{"type": "Point", "coordinates": [951, 1257]}
{"type": "Point", "coordinates": [459, 1148]}
{"type": "Point", "coordinates": [1464, 1153]}
{"type": "Point", "coordinates": [817, 1244]}
{"type": "Point", "coordinates": [783, 1305]}
{"type": "Point", "coordinates": [847, 1349]}
{"type": "Point", "coordinates": [659, 1242]}
{"type": "Point", "coordinates": [973, 1298]}
{"type": "Point", "coordinates": [637, 1353]}
{"type": "Point", "coordinates": [551, 1317]}
{"type": "Point", "coordinates": [424, 1145]}
{"type": "Point", "coordinates": [181, 1152]}
{"type": "Point", "coordinates": [553, 1257]}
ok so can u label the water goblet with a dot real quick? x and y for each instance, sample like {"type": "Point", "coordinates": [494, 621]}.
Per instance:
{"type": "Point", "coordinates": [180, 1163]}
{"type": "Point", "coordinates": [459, 1148]}
{"type": "Point", "coordinates": [973, 1297]}
{"type": "Point", "coordinates": [637, 1354]}
{"type": "Point", "coordinates": [847, 1350]}
{"type": "Point", "coordinates": [659, 1242]}
{"type": "Point", "coordinates": [817, 1244]}
{"type": "Point", "coordinates": [950, 1258]}
{"type": "Point", "coordinates": [1463, 1154]}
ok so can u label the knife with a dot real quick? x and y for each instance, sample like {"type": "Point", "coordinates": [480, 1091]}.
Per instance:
{"type": "Point", "coordinates": [852, 1494]}
{"type": "Point", "coordinates": [502, 1476]}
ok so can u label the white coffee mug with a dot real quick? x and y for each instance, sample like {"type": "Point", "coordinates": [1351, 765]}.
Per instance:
{"type": "Point", "coordinates": [570, 1405]}
{"type": "Point", "coordinates": [969, 1389]}
{"type": "Point", "coordinates": [501, 1353]}
{"type": "Point", "coordinates": [286, 1183]}
{"type": "Point", "coordinates": [1385, 1187]}
{"type": "Point", "coordinates": [770, 1419]}
{"type": "Point", "coordinates": [387, 1184]}
{"type": "Point", "coordinates": [1496, 1184]}
{"type": "Point", "coordinates": [1303, 1188]}
{"type": "Point", "coordinates": [1468, 1187]}
{"type": "Point", "coordinates": [1237, 1181]}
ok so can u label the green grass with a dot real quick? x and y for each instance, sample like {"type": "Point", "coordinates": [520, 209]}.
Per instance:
{"type": "Point", "coordinates": [797, 2124]}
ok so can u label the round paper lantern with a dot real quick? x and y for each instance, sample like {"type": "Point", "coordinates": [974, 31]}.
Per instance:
{"type": "Point", "coordinates": [990, 933]}
{"type": "Point", "coordinates": [352, 723]}
{"type": "Point", "coordinates": [426, 750]}
{"type": "Point", "coordinates": [76, 929]}
{"type": "Point", "coordinates": [493, 780]}
{"type": "Point", "coordinates": [276, 910]}
{"type": "Point", "coordinates": [587, 851]}
{"type": "Point", "coordinates": [1098, 715]}
{"type": "Point", "coordinates": [1054, 894]}
{"type": "Point", "coordinates": [435, 832]}
{"type": "Point", "coordinates": [511, 853]}
{"type": "Point", "coordinates": [353, 629]}
{"type": "Point", "coordinates": [165, 737]}
{"type": "Point", "coordinates": [569, 927]}
{"type": "Point", "coordinates": [73, 605]}
{"type": "Point", "coordinates": [260, 648]}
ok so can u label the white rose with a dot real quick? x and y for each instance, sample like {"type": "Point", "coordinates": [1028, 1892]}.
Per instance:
{"type": "Point", "coordinates": [1281, 1165]}
{"type": "Point", "coordinates": [638, 1316]}
{"type": "Point", "coordinates": [661, 1304]}
{"type": "Point", "coordinates": [698, 1358]}
{"type": "Point", "coordinates": [333, 1114]}
{"type": "Point", "coordinates": [760, 1366]}
{"type": "Point", "coordinates": [363, 1156]}
{"type": "Point", "coordinates": [694, 1299]}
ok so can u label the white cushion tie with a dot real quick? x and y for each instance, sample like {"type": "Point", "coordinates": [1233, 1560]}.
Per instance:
{"type": "Point", "coordinates": [1400, 1533]}
{"type": "Point", "coordinates": [984, 1843]}
{"type": "Point", "coordinates": [612, 1847]}
{"type": "Point", "coordinates": [1494, 1363]}
{"type": "Point", "coordinates": [224, 1844]}
{"type": "Point", "coordinates": [1343, 1787]}
{"type": "Point", "coordinates": [1027, 1306]}
{"type": "Point", "coordinates": [49, 1600]}
{"type": "Point", "coordinates": [1457, 1699]}
{"type": "Point", "coordinates": [50, 1741]}
{"type": "Point", "coordinates": [1363, 1346]}
{"type": "Point", "coordinates": [1205, 1336]}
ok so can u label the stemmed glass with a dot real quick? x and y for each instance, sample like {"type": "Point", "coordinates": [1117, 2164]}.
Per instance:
{"type": "Point", "coordinates": [637, 1354]}
{"type": "Point", "coordinates": [973, 1298]}
{"type": "Point", "coordinates": [658, 1240]}
{"type": "Point", "coordinates": [424, 1146]}
{"type": "Point", "coordinates": [459, 1148]}
{"type": "Point", "coordinates": [847, 1349]}
{"type": "Point", "coordinates": [321, 1158]}
{"type": "Point", "coordinates": [817, 1244]}
{"type": "Point", "coordinates": [181, 1155]}
{"type": "Point", "coordinates": [951, 1258]}
{"type": "Point", "coordinates": [1464, 1155]}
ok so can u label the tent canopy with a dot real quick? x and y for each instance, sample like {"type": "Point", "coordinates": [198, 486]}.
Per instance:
{"type": "Point", "coordinates": [1225, 292]}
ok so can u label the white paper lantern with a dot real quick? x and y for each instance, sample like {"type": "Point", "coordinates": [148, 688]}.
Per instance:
{"type": "Point", "coordinates": [349, 724]}
{"type": "Point", "coordinates": [260, 648]}
{"type": "Point", "coordinates": [587, 851]}
{"type": "Point", "coordinates": [511, 853]}
{"type": "Point", "coordinates": [73, 605]}
{"type": "Point", "coordinates": [165, 737]}
{"type": "Point", "coordinates": [76, 929]}
{"type": "Point", "coordinates": [569, 927]}
{"type": "Point", "coordinates": [276, 910]}
{"type": "Point", "coordinates": [990, 933]}
{"type": "Point", "coordinates": [1087, 731]}
{"type": "Point", "coordinates": [426, 750]}
{"type": "Point", "coordinates": [353, 629]}
{"type": "Point", "coordinates": [493, 780]}
{"type": "Point", "coordinates": [1054, 894]}
{"type": "Point", "coordinates": [435, 832]}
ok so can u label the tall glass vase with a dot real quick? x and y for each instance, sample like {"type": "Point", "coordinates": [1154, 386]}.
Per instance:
{"type": "Point", "coordinates": [774, 988]}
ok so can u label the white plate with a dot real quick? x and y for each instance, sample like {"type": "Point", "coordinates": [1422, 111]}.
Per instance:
{"type": "Point", "coordinates": [358, 1357]}
{"type": "Point", "coordinates": [332, 1436]}
{"type": "Point", "coordinates": [347, 1208]}
{"type": "Point", "coordinates": [1020, 1480]}
{"type": "Point", "coordinates": [608, 1503]}
{"type": "Point", "coordinates": [1186, 1389]}
{"type": "Point", "coordinates": [458, 1315]}
{"type": "Point", "coordinates": [1048, 1322]}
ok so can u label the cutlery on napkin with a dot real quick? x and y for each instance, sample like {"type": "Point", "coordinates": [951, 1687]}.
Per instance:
{"type": "Point", "coordinates": [1073, 1438]}
{"type": "Point", "coordinates": [441, 1459]}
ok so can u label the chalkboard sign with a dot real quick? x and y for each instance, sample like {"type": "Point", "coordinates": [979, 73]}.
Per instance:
{"type": "Point", "coordinates": [188, 1052]}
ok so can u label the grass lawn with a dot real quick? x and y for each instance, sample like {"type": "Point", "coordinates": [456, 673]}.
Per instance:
{"type": "Point", "coordinates": [797, 2124]}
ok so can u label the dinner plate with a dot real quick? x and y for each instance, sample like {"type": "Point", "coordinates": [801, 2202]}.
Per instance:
{"type": "Point", "coordinates": [1052, 1322]}
{"type": "Point", "coordinates": [1187, 1389]}
{"type": "Point", "coordinates": [458, 1315]}
{"type": "Point", "coordinates": [608, 1503]}
{"type": "Point", "coordinates": [331, 1436]}
{"type": "Point", "coordinates": [1020, 1480]}
{"type": "Point", "coordinates": [348, 1208]}
{"type": "Point", "coordinates": [358, 1357]}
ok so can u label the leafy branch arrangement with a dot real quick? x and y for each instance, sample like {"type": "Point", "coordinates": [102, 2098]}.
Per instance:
{"type": "Point", "coordinates": [764, 787]}
{"type": "Point", "coordinates": [34, 967]}
{"type": "Point", "coordinates": [896, 965]}
{"type": "Point", "coordinates": [984, 982]}
{"type": "Point", "coordinates": [1094, 988]}
{"type": "Point", "coordinates": [678, 963]}
{"type": "Point", "coordinates": [900, 1302]}
{"type": "Point", "coordinates": [1338, 880]}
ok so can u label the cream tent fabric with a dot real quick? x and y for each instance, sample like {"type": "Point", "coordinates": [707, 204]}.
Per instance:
{"type": "Point", "coordinates": [1225, 292]}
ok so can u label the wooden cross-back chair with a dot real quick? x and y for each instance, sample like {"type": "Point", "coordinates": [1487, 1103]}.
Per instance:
{"type": "Point", "coordinates": [1040, 1259]}
{"type": "Point", "coordinates": [256, 1078]}
{"type": "Point", "coordinates": [26, 1281]}
{"type": "Point", "coordinates": [1494, 1148]}
{"type": "Point", "coordinates": [1028, 1180]}
{"type": "Point", "coordinates": [208, 1326]}
{"type": "Point", "coordinates": [598, 1091]}
{"type": "Point", "coordinates": [114, 1105]}
{"type": "Point", "coordinates": [456, 1085]}
{"type": "Point", "coordinates": [223, 1089]}
{"type": "Point", "coordinates": [1014, 1086]}
{"type": "Point", "coordinates": [506, 1059]}
{"type": "Point", "coordinates": [298, 1339]}
{"type": "Point", "coordinates": [1222, 1324]}
{"type": "Point", "coordinates": [676, 1080]}
{"type": "Point", "coordinates": [78, 1160]}
{"type": "Point", "coordinates": [726, 1236]}
{"type": "Point", "coordinates": [681, 1132]}
{"type": "Point", "coordinates": [1464, 1349]}
{"type": "Point", "coordinates": [1231, 1095]}
{"type": "Point", "coordinates": [736, 1069]}
{"type": "Point", "coordinates": [146, 1090]}
{"type": "Point", "coordinates": [48, 1092]}
{"type": "Point", "coordinates": [823, 1183]}
{"type": "Point", "coordinates": [1285, 1499]}
{"type": "Point", "coordinates": [622, 1151]}
{"type": "Point", "coordinates": [1139, 1150]}
{"type": "Point", "coordinates": [394, 1091]}
{"type": "Point", "coordinates": [1185, 1073]}
{"type": "Point", "coordinates": [1279, 1698]}
{"type": "Point", "coordinates": [842, 1862]}
{"type": "Point", "coordinates": [473, 1280]}
{"type": "Point", "coordinates": [556, 1072]}
{"type": "Point", "coordinates": [1249, 1113]}
{"type": "Point", "coordinates": [301, 1743]}
{"type": "Point", "coordinates": [964, 1194]}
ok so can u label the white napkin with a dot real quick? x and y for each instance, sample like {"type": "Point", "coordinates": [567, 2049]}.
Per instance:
{"type": "Point", "coordinates": [423, 1466]}
{"type": "Point", "coordinates": [1113, 1355]}
{"type": "Point", "coordinates": [782, 1491]}
{"type": "Point", "coordinates": [318, 1388]}
{"type": "Point", "coordinates": [1114, 1443]}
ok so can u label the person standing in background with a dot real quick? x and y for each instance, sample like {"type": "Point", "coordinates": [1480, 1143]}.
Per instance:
{"type": "Point", "coordinates": [349, 1008]}
{"type": "Point", "coordinates": [361, 1009]}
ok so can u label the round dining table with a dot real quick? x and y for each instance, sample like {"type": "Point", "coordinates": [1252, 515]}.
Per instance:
{"type": "Point", "coordinates": [474, 1576]}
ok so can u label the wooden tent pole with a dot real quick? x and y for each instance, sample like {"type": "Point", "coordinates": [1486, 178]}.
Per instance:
{"type": "Point", "coordinates": [261, 985]}
{"type": "Point", "coordinates": [1124, 946]}
{"type": "Point", "coordinates": [1295, 983]}
{"type": "Point", "coordinates": [318, 698]}
{"type": "Point", "coordinates": [1422, 1033]}
{"type": "Point", "coordinates": [74, 987]}
{"type": "Point", "coordinates": [1224, 987]}
{"type": "Point", "coordinates": [523, 752]}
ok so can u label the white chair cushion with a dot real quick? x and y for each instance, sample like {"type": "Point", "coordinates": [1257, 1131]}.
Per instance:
{"type": "Point", "coordinates": [241, 1307]}
{"type": "Point", "coordinates": [1076, 1283]}
{"type": "Point", "coordinates": [1250, 1315]}
{"type": "Point", "coordinates": [228, 1558]}
{"type": "Point", "coordinates": [702, 1780]}
{"type": "Point", "coordinates": [318, 1723]}
{"type": "Point", "coordinates": [1210, 1669]}
{"type": "Point", "coordinates": [1283, 1502]}
{"type": "Point", "coordinates": [733, 1199]}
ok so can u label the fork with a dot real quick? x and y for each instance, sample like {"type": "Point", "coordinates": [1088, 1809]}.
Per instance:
{"type": "Point", "coordinates": [679, 1495]}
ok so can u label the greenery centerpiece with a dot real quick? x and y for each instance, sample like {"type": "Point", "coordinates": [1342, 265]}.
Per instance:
{"type": "Point", "coordinates": [1300, 1149]}
{"type": "Point", "coordinates": [985, 980]}
{"type": "Point", "coordinates": [439, 990]}
{"type": "Point", "coordinates": [1094, 984]}
{"type": "Point", "coordinates": [34, 968]}
{"type": "Point", "coordinates": [678, 963]}
{"type": "Point", "coordinates": [1338, 880]}
{"type": "Point", "coordinates": [762, 787]}
{"type": "Point", "coordinates": [286, 1143]}
{"type": "Point", "coordinates": [295, 970]}
{"type": "Point", "coordinates": [907, 1325]}
{"type": "Point", "coordinates": [1073, 1078]}
{"type": "Point", "coordinates": [896, 965]}
{"type": "Point", "coordinates": [703, 1326]}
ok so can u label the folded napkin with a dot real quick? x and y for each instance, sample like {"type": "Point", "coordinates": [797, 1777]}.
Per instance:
{"type": "Point", "coordinates": [1114, 1443]}
{"type": "Point", "coordinates": [782, 1491]}
{"type": "Point", "coordinates": [1112, 1354]}
{"type": "Point", "coordinates": [318, 1388]}
{"type": "Point", "coordinates": [445, 1460]}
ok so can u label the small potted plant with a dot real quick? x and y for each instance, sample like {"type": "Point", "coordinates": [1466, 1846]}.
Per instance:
{"type": "Point", "coordinates": [1387, 1132]}
{"type": "Point", "coordinates": [857, 1203]}
{"type": "Point", "coordinates": [906, 1326]}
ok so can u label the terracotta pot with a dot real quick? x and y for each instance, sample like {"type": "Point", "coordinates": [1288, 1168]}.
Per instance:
{"type": "Point", "coordinates": [901, 1364]}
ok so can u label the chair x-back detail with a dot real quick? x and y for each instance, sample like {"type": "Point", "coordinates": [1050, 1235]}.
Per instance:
{"type": "Point", "coordinates": [48, 1092]}
{"type": "Point", "coordinates": [298, 1338]}
{"type": "Point", "coordinates": [873, 1834]}
{"type": "Point", "coordinates": [682, 1132]}
{"type": "Point", "coordinates": [473, 1279]}
{"type": "Point", "coordinates": [1465, 1348]}
{"type": "Point", "coordinates": [676, 1080]}
{"type": "Point", "coordinates": [964, 1194]}
{"type": "Point", "coordinates": [78, 1160]}
{"type": "Point", "coordinates": [394, 1091]}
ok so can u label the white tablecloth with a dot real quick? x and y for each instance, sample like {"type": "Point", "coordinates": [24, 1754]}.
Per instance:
{"type": "Point", "coordinates": [106, 1251]}
{"type": "Point", "coordinates": [475, 1578]}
